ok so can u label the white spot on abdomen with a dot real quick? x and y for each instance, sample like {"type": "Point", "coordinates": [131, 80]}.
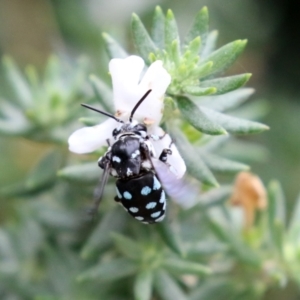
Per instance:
{"type": "Point", "coordinates": [151, 205]}
{"type": "Point", "coordinates": [162, 197]}
{"type": "Point", "coordinates": [133, 209]}
{"type": "Point", "coordinates": [156, 183]}
{"type": "Point", "coordinates": [156, 214]}
{"type": "Point", "coordinates": [146, 191]}
{"type": "Point", "coordinates": [127, 195]}
{"type": "Point", "coordinates": [160, 218]}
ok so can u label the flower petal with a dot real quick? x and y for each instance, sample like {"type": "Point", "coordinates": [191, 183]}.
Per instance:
{"type": "Point", "coordinates": [157, 79]}
{"type": "Point", "coordinates": [175, 159]}
{"type": "Point", "coordinates": [126, 74]}
{"type": "Point", "coordinates": [89, 139]}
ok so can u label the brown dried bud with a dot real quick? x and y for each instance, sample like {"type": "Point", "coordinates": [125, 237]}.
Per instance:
{"type": "Point", "coordinates": [250, 194]}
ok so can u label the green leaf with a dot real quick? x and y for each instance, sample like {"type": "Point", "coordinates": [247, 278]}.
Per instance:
{"type": "Point", "coordinates": [215, 196]}
{"type": "Point", "coordinates": [45, 297]}
{"type": "Point", "coordinates": [112, 221]}
{"type": "Point", "coordinates": [212, 143]}
{"type": "Point", "coordinates": [193, 48]}
{"type": "Point", "coordinates": [44, 172]}
{"type": "Point", "coordinates": [171, 32]}
{"type": "Point", "coordinates": [245, 151]}
{"type": "Point", "coordinates": [9, 259]}
{"type": "Point", "coordinates": [202, 71]}
{"type": "Point", "coordinates": [180, 267]}
{"type": "Point", "coordinates": [15, 190]}
{"type": "Point", "coordinates": [30, 235]}
{"type": "Point", "coordinates": [109, 271]}
{"type": "Point", "coordinates": [197, 118]}
{"type": "Point", "coordinates": [141, 38]}
{"type": "Point", "coordinates": [196, 167]}
{"type": "Point", "coordinates": [143, 285]}
{"type": "Point", "coordinates": [175, 52]}
{"type": "Point", "coordinates": [210, 44]}
{"type": "Point", "coordinates": [294, 224]}
{"type": "Point", "coordinates": [206, 248]}
{"type": "Point", "coordinates": [232, 124]}
{"type": "Point", "coordinates": [221, 164]}
{"type": "Point", "coordinates": [103, 93]}
{"type": "Point", "coordinates": [212, 289]}
{"type": "Point", "coordinates": [33, 77]}
{"type": "Point", "coordinates": [277, 236]}
{"type": "Point", "coordinates": [158, 28]}
{"type": "Point", "coordinates": [127, 246]}
{"type": "Point", "coordinates": [167, 287]}
{"type": "Point", "coordinates": [53, 69]}
{"type": "Point", "coordinates": [113, 49]}
{"type": "Point", "coordinates": [13, 121]}
{"type": "Point", "coordinates": [226, 84]}
{"type": "Point", "coordinates": [227, 101]}
{"type": "Point", "coordinates": [18, 83]}
{"type": "Point", "coordinates": [276, 214]}
{"type": "Point", "coordinates": [55, 217]}
{"type": "Point", "coordinates": [240, 250]}
{"type": "Point", "coordinates": [199, 27]}
{"type": "Point", "coordinates": [198, 91]}
{"type": "Point", "coordinates": [295, 218]}
{"type": "Point", "coordinates": [13, 129]}
{"type": "Point", "coordinates": [169, 237]}
{"type": "Point", "coordinates": [87, 172]}
{"type": "Point", "coordinates": [254, 110]}
{"type": "Point", "coordinates": [225, 56]}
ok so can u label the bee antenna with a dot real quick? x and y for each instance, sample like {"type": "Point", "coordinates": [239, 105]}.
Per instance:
{"type": "Point", "coordinates": [138, 104]}
{"type": "Point", "coordinates": [102, 112]}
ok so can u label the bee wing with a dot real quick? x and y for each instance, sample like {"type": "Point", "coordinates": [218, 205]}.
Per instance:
{"type": "Point", "coordinates": [180, 190]}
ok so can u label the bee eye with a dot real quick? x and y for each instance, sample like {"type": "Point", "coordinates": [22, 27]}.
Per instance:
{"type": "Point", "coordinates": [115, 132]}
{"type": "Point", "coordinates": [140, 127]}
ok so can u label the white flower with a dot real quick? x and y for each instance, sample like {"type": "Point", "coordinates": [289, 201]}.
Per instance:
{"type": "Point", "coordinates": [128, 87]}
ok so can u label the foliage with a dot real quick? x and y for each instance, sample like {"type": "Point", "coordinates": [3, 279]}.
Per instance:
{"type": "Point", "coordinates": [49, 250]}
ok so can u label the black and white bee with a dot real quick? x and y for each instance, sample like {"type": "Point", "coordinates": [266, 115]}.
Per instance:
{"type": "Point", "coordinates": [142, 178]}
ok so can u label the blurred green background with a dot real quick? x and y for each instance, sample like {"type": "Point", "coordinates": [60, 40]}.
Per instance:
{"type": "Point", "coordinates": [32, 30]}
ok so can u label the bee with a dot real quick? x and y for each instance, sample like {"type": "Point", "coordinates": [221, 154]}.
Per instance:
{"type": "Point", "coordinates": [142, 178]}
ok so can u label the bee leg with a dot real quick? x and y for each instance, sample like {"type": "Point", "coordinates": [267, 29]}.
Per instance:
{"type": "Point", "coordinates": [164, 154]}
{"type": "Point", "coordinates": [98, 192]}
{"type": "Point", "coordinates": [172, 142]}
{"type": "Point", "coordinates": [103, 160]}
